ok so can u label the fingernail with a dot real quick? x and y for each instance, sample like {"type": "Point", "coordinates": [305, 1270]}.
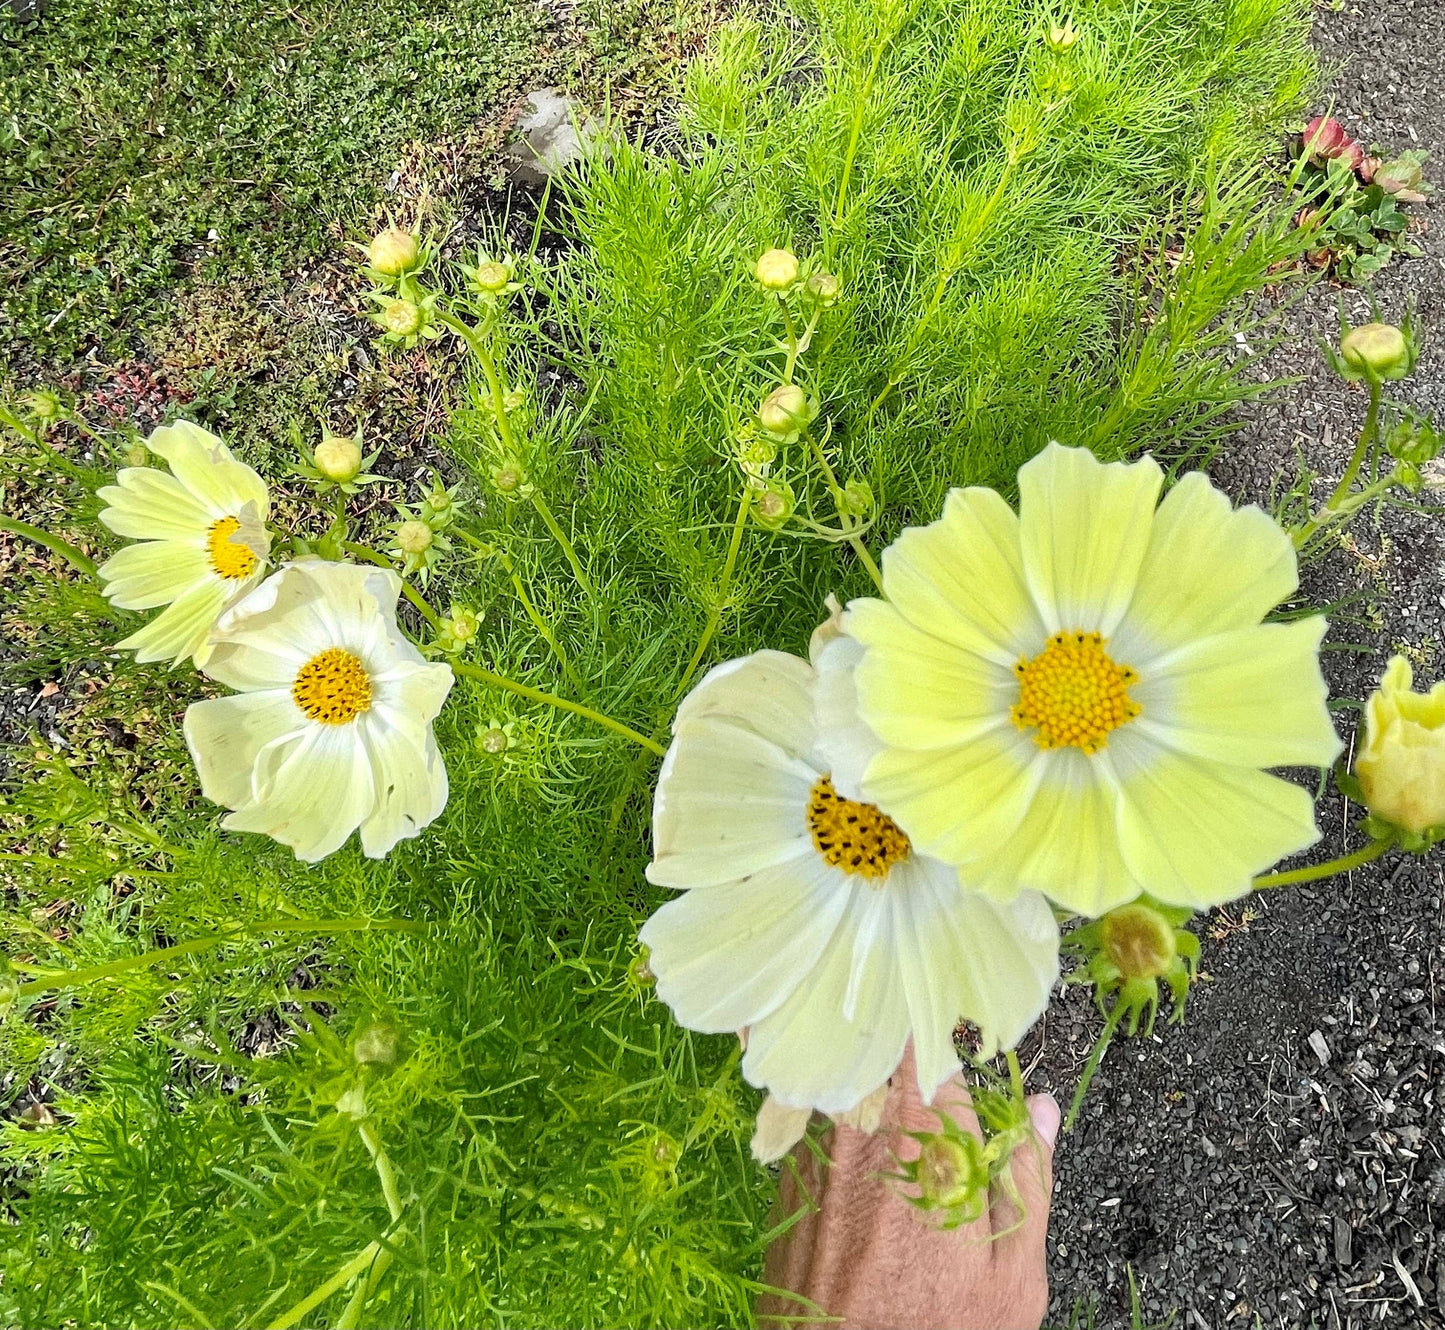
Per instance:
{"type": "Point", "coordinates": [1046, 1117]}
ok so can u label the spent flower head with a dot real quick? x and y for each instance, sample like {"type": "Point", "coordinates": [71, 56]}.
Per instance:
{"type": "Point", "coordinates": [1128, 951]}
{"type": "Point", "coordinates": [456, 631]}
{"type": "Point", "coordinates": [773, 504]}
{"type": "Point", "coordinates": [496, 738]}
{"type": "Point", "coordinates": [439, 504]}
{"type": "Point", "coordinates": [43, 405]}
{"type": "Point", "coordinates": [822, 289]}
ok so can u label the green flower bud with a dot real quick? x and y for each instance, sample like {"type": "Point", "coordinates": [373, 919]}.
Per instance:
{"type": "Point", "coordinates": [823, 288]}
{"type": "Point", "coordinates": [492, 277]}
{"type": "Point", "coordinates": [1062, 37]}
{"type": "Point", "coordinates": [493, 740]}
{"type": "Point", "coordinates": [137, 454]}
{"type": "Point", "coordinates": [465, 623]}
{"type": "Point", "coordinates": [43, 405]}
{"type": "Point", "coordinates": [402, 318]}
{"type": "Point", "coordinates": [1380, 349]}
{"type": "Point", "coordinates": [377, 1045]}
{"type": "Point", "coordinates": [510, 478]}
{"type": "Point", "coordinates": [784, 411]}
{"type": "Point", "coordinates": [857, 498]}
{"type": "Point", "coordinates": [413, 537]}
{"type": "Point", "coordinates": [393, 252]}
{"type": "Point", "coordinates": [1138, 940]}
{"type": "Point", "coordinates": [639, 970]}
{"type": "Point", "coordinates": [338, 458]}
{"type": "Point", "coordinates": [776, 270]}
{"type": "Point", "coordinates": [513, 400]}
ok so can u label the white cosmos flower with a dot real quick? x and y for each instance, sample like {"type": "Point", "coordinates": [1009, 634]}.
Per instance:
{"type": "Point", "coordinates": [807, 917]}
{"type": "Point", "coordinates": [1079, 698]}
{"type": "Point", "coordinates": [203, 541]}
{"type": "Point", "coordinates": [331, 729]}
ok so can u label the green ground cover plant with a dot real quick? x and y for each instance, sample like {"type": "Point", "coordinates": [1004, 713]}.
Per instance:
{"type": "Point", "coordinates": [436, 1089]}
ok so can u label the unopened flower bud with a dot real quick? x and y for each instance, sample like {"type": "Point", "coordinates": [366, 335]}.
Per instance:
{"type": "Point", "coordinates": [1380, 349]}
{"type": "Point", "coordinates": [857, 498]}
{"type": "Point", "coordinates": [639, 971]}
{"type": "Point", "coordinates": [493, 740]}
{"type": "Point", "coordinates": [777, 269]}
{"type": "Point", "coordinates": [1138, 940]}
{"type": "Point", "coordinates": [393, 252]}
{"type": "Point", "coordinates": [784, 410]}
{"type": "Point", "coordinates": [774, 504]}
{"type": "Point", "coordinates": [338, 458]}
{"type": "Point", "coordinates": [413, 537]}
{"type": "Point", "coordinates": [1325, 138]}
{"type": "Point", "coordinates": [823, 288]}
{"type": "Point", "coordinates": [43, 405]}
{"type": "Point", "coordinates": [1401, 764]}
{"type": "Point", "coordinates": [137, 454]}
{"type": "Point", "coordinates": [1062, 36]}
{"type": "Point", "coordinates": [492, 277]}
{"type": "Point", "coordinates": [509, 477]}
{"type": "Point", "coordinates": [514, 399]}
{"type": "Point", "coordinates": [403, 318]}
{"type": "Point", "coordinates": [376, 1044]}
{"type": "Point", "coordinates": [465, 623]}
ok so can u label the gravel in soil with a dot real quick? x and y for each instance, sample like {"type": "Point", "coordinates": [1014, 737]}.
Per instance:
{"type": "Point", "coordinates": [1279, 1160]}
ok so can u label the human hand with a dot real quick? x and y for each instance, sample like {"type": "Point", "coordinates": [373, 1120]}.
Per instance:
{"type": "Point", "coordinates": [865, 1255]}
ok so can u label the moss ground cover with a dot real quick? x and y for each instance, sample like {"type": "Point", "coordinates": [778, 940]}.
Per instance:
{"type": "Point", "coordinates": [542, 1144]}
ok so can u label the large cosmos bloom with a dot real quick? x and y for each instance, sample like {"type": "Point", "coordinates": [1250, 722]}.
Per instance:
{"type": "Point", "coordinates": [203, 541]}
{"type": "Point", "coordinates": [808, 917]}
{"type": "Point", "coordinates": [332, 727]}
{"type": "Point", "coordinates": [1079, 699]}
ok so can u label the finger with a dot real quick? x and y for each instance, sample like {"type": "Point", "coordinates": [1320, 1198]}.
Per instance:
{"type": "Point", "coordinates": [1019, 1214]}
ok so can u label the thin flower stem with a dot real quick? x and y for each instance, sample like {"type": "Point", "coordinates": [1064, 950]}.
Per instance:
{"type": "Point", "coordinates": [497, 389]}
{"type": "Point", "coordinates": [339, 1280]}
{"type": "Point", "coordinates": [407, 590]}
{"type": "Point", "coordinates": [1364, 855]}
{"type": "Point", "coordinates": [1341, 502]}
{"type": "Point", "coordinates": [1015, 1075]}
{"type": "Point", "coordinates": [1101, 1046]}
{"type": "Point", "coordinates": [561, 703]}
{"type": "Point", "coordinates": [61, 548]}
{"type": "Point", "coordinates": [866, 559]}
{"type": "Point", "coordinates": [859, 548]}
{"type": "Point", "coordinates": [715, 614]}
{"type": "Point", "coordinates": [54, 980]}
{"type": "Point", "coordinates": [856, 131]}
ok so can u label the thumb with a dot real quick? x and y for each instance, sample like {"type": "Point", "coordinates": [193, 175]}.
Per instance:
{"type": "Point", "coordinates": [1032, 1171]}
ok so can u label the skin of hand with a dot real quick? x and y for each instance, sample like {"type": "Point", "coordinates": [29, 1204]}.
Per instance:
{"type": "Point", "coordinates": [863, 1254]}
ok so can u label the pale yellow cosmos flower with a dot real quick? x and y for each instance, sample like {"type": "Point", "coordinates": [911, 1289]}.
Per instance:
{"type": "Point", "coordinates": [807, 917]}
{"type": "Point", "coordinates": [1081, 698]}
{"type": "Point", "coordinates": [331, 729]}
{"type": "Point", "coordinates": [1401, 765]}
{"type": "Point", "coordinates": [202, 540]}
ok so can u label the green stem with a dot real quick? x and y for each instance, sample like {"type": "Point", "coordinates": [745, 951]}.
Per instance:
{"type": "Point", "coordinates": [1015, 1075]}
{"type": "Point", "coordinates": [866, 559]}
{"type": "Point", "coordinates": [1362, 447]}
{"type": "Point", "coordinates": [497, 389]}
{"type": "Point", "coordinates": [339, 1280]}
{"type": "Point", "coordinates": [62, 548]}
{"type": "Point", "coordinates": [856, 133]}
{"type": "Point", "coordinates": [715, 614]}
{"type": "Point", "coordinates": [1364, 855]}
{"type": "Point", "coordinates": [859, 548]}
{"type": "Point", "coordinates": [1101, 1046]}
{"type": "Point", "coordinates": [55, 980]}
{"type": "Point", "coordinates": [552, 700]}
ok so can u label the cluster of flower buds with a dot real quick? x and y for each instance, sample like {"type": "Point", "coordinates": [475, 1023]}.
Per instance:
{"type": "Point", "coordinates": [780, 273]}
{"type": "Point", "coordinates": [406, 311]}
{"type": "Point", "coordinates": [1062, 37]}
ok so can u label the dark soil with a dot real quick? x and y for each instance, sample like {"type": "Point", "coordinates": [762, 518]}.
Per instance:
{"type": "Point", "coordinates": [1279, 1160]}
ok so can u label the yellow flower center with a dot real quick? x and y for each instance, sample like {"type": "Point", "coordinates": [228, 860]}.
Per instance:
{"type": "Point", "coordinates": [230, 558]}
{"type": "Point", "coordinates": [1073, 694]}
{"type": "Point", "coordinates": [856, 837]}
{"type": "Point", "coordinates": [333, 687]}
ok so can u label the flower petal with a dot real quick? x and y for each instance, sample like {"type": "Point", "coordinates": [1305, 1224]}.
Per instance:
{"type": "Point", "coordinates": [1254, 696]}
{"type": "Point", "coordinates": [183, 629]}
{"type": "Point", "coordinates": [309, 792]}
{"type": "Point", "coordinates": [146, 504]}
{"type": "Point", "coordinates": [408, 695]}
{"type": "Point", "coordinates": [962, 578]}
{"type": "Point", "coordinates": [1066, 846]}
{"type": "Point", "coordinates": [779, 1129]}
{"type": "Point", "coordinates": [1084, 527]}
{"type": "Point", "coordinates": [729, 956]}
{"type": "Point", "coordinates": [769, 693]}
{"type": "Point", "coordinates": [206, 467]}
{"type": "Point", "coordinates": [225, 735]}
{"type": "Point", "coordinates": [154, 572]}
{"type": "Point", "coordinates": [917, 691]}
{"type": "Point", "coordinates": [1209, 568]}
{"type": "Point", "coordinates": [728, 803]}
{"type": "Point", "coordinates": [1197, 832]}
{"type": "Point", "coordinates": [955, 802]}
{"type": "Point", "coordinates": [845, 743]}
{"type": "Point", "coordinates": [411, 787]}
{"type": "Point", "coordinates": [808, 1055]}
